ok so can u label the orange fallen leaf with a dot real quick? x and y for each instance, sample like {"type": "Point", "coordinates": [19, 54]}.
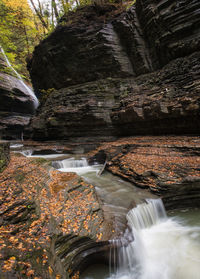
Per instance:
{"type": "Point", "coordinates": [50, 270]}
{"type": "Point", "coordinates": [30, 272]}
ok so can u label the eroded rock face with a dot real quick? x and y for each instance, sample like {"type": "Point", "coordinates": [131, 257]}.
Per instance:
{"type": "Point", "coordinates": [171, 28]}
{"type": "Point", "coordinates": [16, 106]}
{"type": "Point", "coordinates": [85, 50]}
{"type": "Point", "coordinates": [111, 74]}
{"type": "Point", "coordinates": [165, 101]}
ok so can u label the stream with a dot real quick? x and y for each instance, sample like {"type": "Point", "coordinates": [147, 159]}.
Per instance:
{"type": "Point", "coordinates": [156, 244]}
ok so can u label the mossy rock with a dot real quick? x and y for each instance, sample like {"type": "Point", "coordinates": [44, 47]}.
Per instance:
{"type": "Point", "coordinates": [4, 155]}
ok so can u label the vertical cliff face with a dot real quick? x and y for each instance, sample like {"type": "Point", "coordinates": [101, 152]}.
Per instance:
{"type": "Point", "coordinates": [86, 50]}
{"type": "Point", "coordinates": [145, 59]}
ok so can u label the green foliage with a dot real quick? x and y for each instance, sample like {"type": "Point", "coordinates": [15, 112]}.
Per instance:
{"type": "Point", "coordinates": [18, 32]}
{"type": "Point", "coordinates": [46, 94]}
{"type": "Point", "coordinates": [40, 161]}
{"type": "Point", "coordinates": [130, 4]}
{"type": "Point", "coordinates": [19, 177]}
{"type": "Point", "coordinates": [6, 20]}
{"type": "Point", "coordinates": [23, 23]}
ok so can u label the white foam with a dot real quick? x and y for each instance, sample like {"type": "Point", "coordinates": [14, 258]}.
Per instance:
{"type": "Point", "coordinates": [163, 248]}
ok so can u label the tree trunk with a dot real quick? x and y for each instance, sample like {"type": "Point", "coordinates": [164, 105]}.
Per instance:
{"type": "Point", "coordinates": [54, 6]}
{"type": "Point", "coordinates": [40, 16]}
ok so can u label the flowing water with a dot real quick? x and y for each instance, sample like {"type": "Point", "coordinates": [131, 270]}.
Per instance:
{"type": "Point", "coordinates": [79, 166]}
{"type": "Point", "coordinates": [31, 154]}
{"type": "Point", "coordinates": [116, 195]}
{"type": "Point", "coordinates": [154, 246]}
{"type": "Point", "coordinates": [27, 89]}
{"type": "Point", "coordinates": [161, 247]}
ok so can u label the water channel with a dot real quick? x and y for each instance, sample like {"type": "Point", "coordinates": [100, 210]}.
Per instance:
{"type": "Point", "coordinates": [160, 245]}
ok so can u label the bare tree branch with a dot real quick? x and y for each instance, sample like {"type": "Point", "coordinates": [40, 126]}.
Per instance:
{"type": "Point", "coordinates": [39, 14]}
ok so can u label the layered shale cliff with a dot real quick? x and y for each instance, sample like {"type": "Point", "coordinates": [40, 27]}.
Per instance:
{"type": "Point", "coordinates": [16, 105]}
{"type": "Point", "coordinates": [104, 72]}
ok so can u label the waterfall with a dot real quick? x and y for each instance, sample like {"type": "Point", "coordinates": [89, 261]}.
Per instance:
{"type": "Point", "coordinates": [147, 214]}
{"type": "Point", "coordinates": [161, 247]}
{"type": "Point", "coordinates": [28, 89]}
{"type": "Point", "coordinates": [27, 153]}
{"type": "Point", "coordinates": [80, 166]}
{"type": "Point", "coordinates": [31, 154]}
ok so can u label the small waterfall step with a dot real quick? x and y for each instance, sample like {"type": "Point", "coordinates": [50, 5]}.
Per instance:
{"type": "Point", "coordinates": [79, 166]}
{"type": "Point", "coordinates": [160, 248]}
{"type": "Point", "coordinates": [147, 214]}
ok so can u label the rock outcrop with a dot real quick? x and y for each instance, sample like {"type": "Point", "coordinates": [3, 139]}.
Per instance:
{"type": "Point", "coordinates": [52, 224]}
{"type": "Point", "coordinates": [168, 166]}
{"type": "Point", "coordinates": [111, 73]}
{"type": "Point", "coordinates": [16, 105]}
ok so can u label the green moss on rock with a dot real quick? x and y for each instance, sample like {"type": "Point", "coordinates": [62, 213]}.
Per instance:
{"type": "Point", "coordinates": [4, 155]}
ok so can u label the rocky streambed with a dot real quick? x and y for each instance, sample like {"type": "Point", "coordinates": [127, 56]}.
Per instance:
{"type": "Point", "coordinates": [50, 222]}
{"type": "Point", "coordinates": [54, 224]}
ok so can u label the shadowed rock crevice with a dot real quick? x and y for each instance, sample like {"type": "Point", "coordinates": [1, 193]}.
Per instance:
{"type": "Point", "coordinates": [171, 29]}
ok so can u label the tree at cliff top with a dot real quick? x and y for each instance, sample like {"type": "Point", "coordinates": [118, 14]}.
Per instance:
{"type": "Point", "coordinates": [50, 11]}
{"type": "Point", "coordinates": [20, 30]}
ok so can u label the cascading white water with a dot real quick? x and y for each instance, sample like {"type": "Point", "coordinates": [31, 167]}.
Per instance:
{"type": "Point", "coordinates": [147, 214]}
{"type": "Point", "coordinates": [29, 91]}
{"type": "Point", "coordinates": [30, 154]}
{"type": "Point", "coordinates": [80, 166]}
{"type": "Point", "coordinates": [27, 153]}
{"type": "Point", "coordinates": [162, 248]}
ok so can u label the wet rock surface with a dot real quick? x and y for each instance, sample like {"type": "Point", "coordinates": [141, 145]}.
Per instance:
{"type": "Point", "coordinates": [16, 106]}
{"type": "Point", "coordinates": [108, 72]}
{"type": "Point", "coordinates": [167, 166]}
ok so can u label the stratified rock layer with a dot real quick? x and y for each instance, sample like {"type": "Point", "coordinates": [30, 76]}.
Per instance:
{"type": "Point", "coordinates": [16, 105]}
{"type": "Point", "coordinates": [167, 166]}
{"type": "Point", "coordinates": [165, 101]}
{"type": "Point", "coordinates": [51, 223]}
{"type": "Point", "coordinates": [110, 73]}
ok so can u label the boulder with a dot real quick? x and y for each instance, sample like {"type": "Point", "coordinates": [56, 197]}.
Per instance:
{"type": "Point", "coordinates": [107, 72]}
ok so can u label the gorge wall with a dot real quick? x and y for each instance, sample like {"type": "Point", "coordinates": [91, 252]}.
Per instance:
{"type": "Point", "coordinates": [16, 105]}
{"type": "Point", "coordinates": [105, 72]}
